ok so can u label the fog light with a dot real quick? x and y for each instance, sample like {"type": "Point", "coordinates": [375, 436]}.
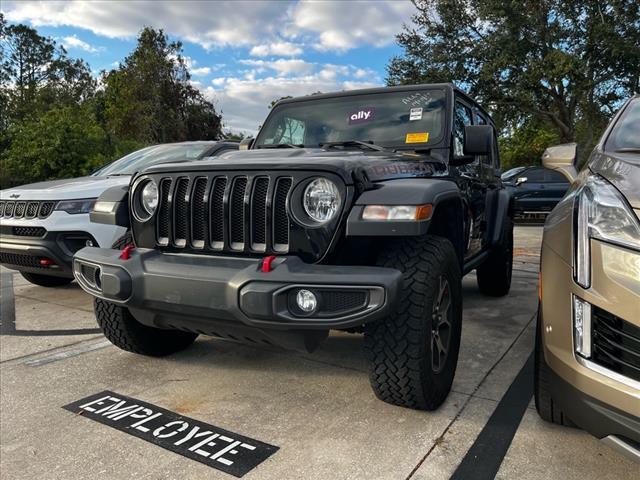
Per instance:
{"type": "Point", "coordinates": [89, 243]}
{"type": "Point", "coordinates": [307, 301]}
{"type": "Point", "coordinates": [582, 327]}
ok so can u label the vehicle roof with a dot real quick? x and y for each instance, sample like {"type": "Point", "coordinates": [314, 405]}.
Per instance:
{"type": "Point", "coordinates": [397, 88]}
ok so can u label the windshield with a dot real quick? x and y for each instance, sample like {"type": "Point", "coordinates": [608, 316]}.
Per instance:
{"type": "Point", "coordinates": [509, 174]}
{"type": "Point", "coordinates": [395, 120]}
{"type": "Point", "coordinates": [626, 132]}
{"type": "Point", "coordinates": [140, 159]}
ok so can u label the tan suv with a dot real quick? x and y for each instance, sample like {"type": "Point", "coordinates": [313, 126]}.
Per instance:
{"type": "Point", "coordinates": [588, 339]}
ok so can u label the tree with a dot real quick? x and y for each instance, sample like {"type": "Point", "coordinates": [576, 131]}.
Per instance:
{"type": "Point", "coordinates": [568, 63]}
{"type": "Point", "coordinates": [36, 74]}
{"type": "Point", "coordinates": [65, 141]}
{"type": "Point", "coordinates": [149, 98]}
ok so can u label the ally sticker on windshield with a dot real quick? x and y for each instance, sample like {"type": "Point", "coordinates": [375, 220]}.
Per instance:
{"type": "Point", "coordinates": [363, 115]}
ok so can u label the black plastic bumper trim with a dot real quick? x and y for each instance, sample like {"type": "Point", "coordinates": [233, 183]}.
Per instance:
{"type": "Point", "coordinates": [187, 290]}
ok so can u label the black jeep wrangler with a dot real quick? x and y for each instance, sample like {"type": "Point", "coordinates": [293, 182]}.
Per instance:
{"type": "Point", "coordinates": [356, 211]}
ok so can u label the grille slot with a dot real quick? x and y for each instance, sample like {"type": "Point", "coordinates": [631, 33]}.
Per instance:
{"type": "Point", "coordinates": [616, 344]}
{"type": "Point", "coordinates": [45, 209]}
{"type": "Point", "coordinates": [181, 212]}
{"type": "Point", "coordinates": [259, 214]}
{"type": "Point", "coordinates": [216, 217]}
{"type": "Point", "coordinates": [2, 208]}
{"type": "Point", "coordinates": [32, 210]}
{"type": "Point", "coordinates": [199, 213]}
{"type": "Point", "coordinates": [8, 209]}
{"type": "Point", "coordinates": [164, 215]}
{"type": "Point", "coordinates": [236, 213]}
{"type": "Point", "coordinates": [280, 217]}
{"type": "Point", "coordinates": [224, 213]}
{"type": "Point", "coordinates": [19, 210]}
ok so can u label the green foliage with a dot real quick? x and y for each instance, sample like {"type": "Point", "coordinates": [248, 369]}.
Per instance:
{"type": "Point", "coordinates": [55, 122]}
{"type": "Point", "coordinates": [563, 63]}
{"type": "Point", "coordinates": [525, 145]}
{"type": "Point", "coordinates": [63, 142]}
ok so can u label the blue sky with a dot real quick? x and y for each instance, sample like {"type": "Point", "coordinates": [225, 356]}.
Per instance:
{"type": "Point", "coordinates": [242, 54]}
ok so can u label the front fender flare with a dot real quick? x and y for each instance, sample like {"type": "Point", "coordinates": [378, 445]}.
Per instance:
{"type": "Point", "coordinates": [405, 191]}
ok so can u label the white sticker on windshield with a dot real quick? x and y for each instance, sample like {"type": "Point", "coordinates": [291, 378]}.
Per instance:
{"type": "Point", "coordinates": [415, 114]}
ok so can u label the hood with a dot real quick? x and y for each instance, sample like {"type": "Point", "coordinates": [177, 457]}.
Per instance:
{"type": "Point", "coordinates": [622, 170]}
{"type": "Point", "coordinates": [68, 189]}
{"type": "Point", "coordinates": [349, 164]}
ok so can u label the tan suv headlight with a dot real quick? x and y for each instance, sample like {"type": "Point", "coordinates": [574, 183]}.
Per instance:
{"type": "Point", "coordinates": [600, 212]}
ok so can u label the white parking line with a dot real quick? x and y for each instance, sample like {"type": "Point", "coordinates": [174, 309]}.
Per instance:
{"type": "Point", "coordinates": [67, 353]}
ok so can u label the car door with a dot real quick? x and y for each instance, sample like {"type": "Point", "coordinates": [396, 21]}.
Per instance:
{"type": "Point", "coordinates": [470, 181]}
{"type": "Point", "coordinates": [556, 185]}
{"type": "Point", "coordinates": [529, 190]}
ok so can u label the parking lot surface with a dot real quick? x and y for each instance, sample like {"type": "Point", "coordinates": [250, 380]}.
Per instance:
{"type": "Point", "coordinates": [317, 408]}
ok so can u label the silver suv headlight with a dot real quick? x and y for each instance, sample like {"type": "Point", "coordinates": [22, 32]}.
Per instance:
{"type": "Point", "coordinates": [321, 200]}
{"type": "Point", "coordinates": [600, 212]}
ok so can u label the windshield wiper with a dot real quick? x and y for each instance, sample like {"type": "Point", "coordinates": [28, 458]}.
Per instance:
{"type": "Point", "coordinates": [281, 145]}
{"type": "Point", "coordinates": [628, 150]}
{"type": "Point", "coordinates": [356, 143]}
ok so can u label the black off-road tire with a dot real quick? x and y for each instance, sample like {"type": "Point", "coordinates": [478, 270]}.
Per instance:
{"type": "Point", "coordinates": [494, 275]}
{"type": "Point", "coordinates": [125, 332]}
{"type": "Point", "coordinates": [123, 241]}
{"type": "Point", "coordinates": [548, 410]}
{"type": "Point", "coordinates": [399, 347]}
{"type": "Point", "coordinates": [48, 281]}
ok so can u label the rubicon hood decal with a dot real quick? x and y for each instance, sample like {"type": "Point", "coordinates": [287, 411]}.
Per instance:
{"type": "Point", "coordinates": [391, 170]}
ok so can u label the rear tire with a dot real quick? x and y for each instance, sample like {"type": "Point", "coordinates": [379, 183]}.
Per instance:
{"type": "Point", "coordinates": [410, 364]}
{"type": "Point", "coordinates": [126, 333]}
{"type": "Point", "coordinates": [48, 281]}
{"type": "Point", "coordinates": [494, 275]}
{"type": "Point", "coordinates": [548, 410]}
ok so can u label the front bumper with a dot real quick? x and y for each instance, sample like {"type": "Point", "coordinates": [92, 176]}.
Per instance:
{"type": "Point", "coordinates": [219, 295]}
{"type": "Point", "coordinates": [616, 428]}
{"type": "Point", "coordinates": [24, 253]}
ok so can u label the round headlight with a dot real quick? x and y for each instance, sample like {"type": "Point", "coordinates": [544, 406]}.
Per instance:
{"type": "Point", "coordinates": [321, 200]}
{"type": "Point", "coordinates": [149, 197]}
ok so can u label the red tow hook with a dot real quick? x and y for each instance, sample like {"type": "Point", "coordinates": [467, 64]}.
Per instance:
{"type": "Point", "coordinates": [126, 252]}
{"type": "Point", "coordinates": [267, 263]}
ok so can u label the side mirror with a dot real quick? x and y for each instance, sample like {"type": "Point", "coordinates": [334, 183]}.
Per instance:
{"type": "Point", "coordinates": [521, 180]}
{"type": "Point", "coordinates": [246, 143]}
{"type": "Point", "coordinates": [563, 159]}
{"type": "Point", "coordinates": [478, 139]}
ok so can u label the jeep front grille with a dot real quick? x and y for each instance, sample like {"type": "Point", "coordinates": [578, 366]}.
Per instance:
{"type": "Point", "coordinates": [224, 213]}
{"type": "Point", "coordinates": [26, 209]}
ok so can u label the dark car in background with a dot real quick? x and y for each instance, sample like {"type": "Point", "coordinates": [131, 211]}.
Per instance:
{"type": "Point", "coordinates": [535, 189]}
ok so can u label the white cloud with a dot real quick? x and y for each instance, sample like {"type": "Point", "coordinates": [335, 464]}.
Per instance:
{"type": "Point", "coordinates": [74, 42]}
{"type": "Point", "coordinates": [279, 49]}
{"type": "Point", "coordinates": [259, 26]}
{"type": "Point", "coordinates": [282, 66]}
{"type": "Point", "coordinates": [200, 71]}
{"type": "Point", "coordinates": [244, 103]}
{"type": "Point", "coordinates": [345, 25]}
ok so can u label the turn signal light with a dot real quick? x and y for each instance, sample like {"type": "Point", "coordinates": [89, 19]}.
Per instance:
{"type": "Point", "coordinates": [397, 212]}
